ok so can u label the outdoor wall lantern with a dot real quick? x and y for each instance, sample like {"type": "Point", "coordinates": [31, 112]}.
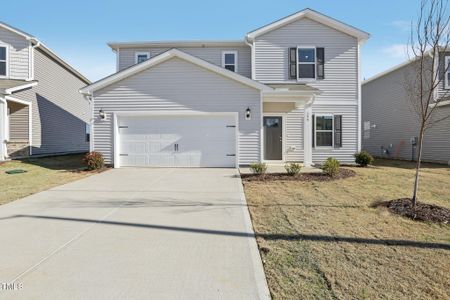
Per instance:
{"type": "Point", "coordinates": [101, 114]}
{"type": "Point", "coordinates": [248, 113]}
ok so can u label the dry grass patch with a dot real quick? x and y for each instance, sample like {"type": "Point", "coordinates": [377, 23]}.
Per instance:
{"type": "Point", "coordinates": [323, 240]}
{"type": "Point", "coordinates": [42, 174]}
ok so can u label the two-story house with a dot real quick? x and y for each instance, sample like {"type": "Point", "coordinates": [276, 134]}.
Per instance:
{"type": "Point", "coordinates": [41, 110]}
{"type": "Point", "coordinates": [288, 92]}
{"type": "Point", "coordinates": [390, 122]}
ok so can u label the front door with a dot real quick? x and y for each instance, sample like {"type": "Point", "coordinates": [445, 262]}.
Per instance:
{"type": "Point", "coordinates": [273, 138]}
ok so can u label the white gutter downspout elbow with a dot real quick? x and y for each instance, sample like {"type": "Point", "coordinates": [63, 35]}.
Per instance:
{"type": "Point", "coordinates": [31, 57]}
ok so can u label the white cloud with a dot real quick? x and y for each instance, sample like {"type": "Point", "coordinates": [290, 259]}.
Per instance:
{"type": "Point", "coordinates": [402, 25]}
{"type": "Point", "coordinates": [396, 51]}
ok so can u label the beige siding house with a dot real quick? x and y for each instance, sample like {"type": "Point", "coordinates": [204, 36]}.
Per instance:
{"type": "Point", "coordinates": [288, 92]}
{"type": "Point", "coordinates": [390, 125]}
{"type": "Point", "coordinates": [41, 111]}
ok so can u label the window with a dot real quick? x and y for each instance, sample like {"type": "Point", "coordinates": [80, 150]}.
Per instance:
{"type": "Point", "coordinates": [229, 60]}
{"type": "Point", "coordinates": [3, 61]}
{"type": "Point", "coordinates": [447, 73]}
{"type": "Point", "coordinates": [88, 133]}
{"type": "Point", "coordinates": [306, 62]}
{"type": "Point", "coordinates": [324, 130]}
{"type": "Point", "coordinates": [142, 56]}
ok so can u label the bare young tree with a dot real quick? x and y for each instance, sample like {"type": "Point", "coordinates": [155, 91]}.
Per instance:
{"type": "Point", "coordinates": [429, 41]}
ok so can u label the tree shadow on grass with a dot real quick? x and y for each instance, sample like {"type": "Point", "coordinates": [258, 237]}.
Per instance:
{"type": "Point", "coordinates": [267, 236]}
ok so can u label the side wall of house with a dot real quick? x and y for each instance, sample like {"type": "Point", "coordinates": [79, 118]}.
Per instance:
{"type": "Point", "coordinates": [210, 54]}
{"type": "Point", "coordinates": [389, 121]}
{"type": "Point", "coordinates": [179, 86]}
{"type": "Point", "coordinates": [60, 112]}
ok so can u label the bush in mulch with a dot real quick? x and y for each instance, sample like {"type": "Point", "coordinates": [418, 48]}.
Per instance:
{"type": "Point", "coordinates": [343, 173]}
{"type": "Point", "coordinates": [423, 212]}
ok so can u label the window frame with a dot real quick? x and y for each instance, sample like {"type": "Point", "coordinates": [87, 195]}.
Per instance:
{"type": "Point", "coordinates": [446, 66]}
{"type": "Point", "coordinates": [137, 54]}
{"type": "Point", "coordinates": [87, 137]}
{"type": "Point", "coordinates": [322, 130]}
{"type": "Point", "coordinates": [6, 60]}
{"type": "Point", "coordinates": [307, 63]}
{"type": "Point", "coordinates": [235, 52]}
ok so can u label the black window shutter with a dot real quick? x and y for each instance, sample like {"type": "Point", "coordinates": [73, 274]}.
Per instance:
{"type": "Point", "coordinates": [320, 63]}
{"type": "Point", "coordinates": [337, 131]}
{"type": "Point", "coordinates": [292, 58]}
{"type": "Point", "coordinates": [313, 131]}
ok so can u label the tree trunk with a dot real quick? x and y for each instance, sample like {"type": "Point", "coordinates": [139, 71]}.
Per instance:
{"type": "Point", "coordinates": [419, 160]}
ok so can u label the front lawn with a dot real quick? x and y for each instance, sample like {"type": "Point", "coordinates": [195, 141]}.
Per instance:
{"type": "Point", "coordinates": [42, 174]}
{"type": "Point", "coordinates": [323, 240]}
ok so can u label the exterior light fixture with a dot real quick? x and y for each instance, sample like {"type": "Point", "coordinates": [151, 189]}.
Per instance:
{"type": "Point", "coordinates": [248, 113]}
{"type": "Point", "coordinates": [101, 114]}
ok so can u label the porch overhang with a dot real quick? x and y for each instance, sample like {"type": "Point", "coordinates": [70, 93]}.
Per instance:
{"type": "Point", "coordinates": [300, 95]}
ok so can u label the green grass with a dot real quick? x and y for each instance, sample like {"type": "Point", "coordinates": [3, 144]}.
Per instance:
{"type": "Point", "coordinates": [42, 174]}
{"type": "Point", "coordinates": [313, 259]}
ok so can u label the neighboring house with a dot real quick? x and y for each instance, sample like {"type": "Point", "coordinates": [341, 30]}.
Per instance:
{"type": "Point", "coordinates": [390, 123]}
{"type": "Point", "coordinates": [41, 110]}
{"type": "Point", "coordinates": [288, 92]}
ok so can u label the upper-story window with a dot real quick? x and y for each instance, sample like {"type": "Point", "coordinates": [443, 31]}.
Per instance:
{"type": "Point", "coordinates": [306, 62]}
{"type": "Point", "coordinates": [3, 61]}
{"type": "Point", "coordinates": [229, 60]}
{"type": "Point", "coordinates": [141, 57]}
{"type": "Point", "coordinates": [447, 72]}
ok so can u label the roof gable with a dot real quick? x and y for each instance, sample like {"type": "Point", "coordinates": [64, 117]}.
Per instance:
{"type": "Point", "coordinates": [164, 57]}
{"type": "Point", "coordinates": [313, 15]}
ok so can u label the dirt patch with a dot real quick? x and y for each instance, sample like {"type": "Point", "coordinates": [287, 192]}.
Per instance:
{"type": "Point", "coordinates": [343, 173]}
{"type": "Point", "coordinates": [423, 212]}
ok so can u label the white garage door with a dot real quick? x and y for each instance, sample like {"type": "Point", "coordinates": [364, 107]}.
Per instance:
{"type": "Point", "coordinates": [177, 141]}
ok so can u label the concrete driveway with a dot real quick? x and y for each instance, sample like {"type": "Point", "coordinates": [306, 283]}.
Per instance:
{"type": "Point", "coordinates": [133, 234]}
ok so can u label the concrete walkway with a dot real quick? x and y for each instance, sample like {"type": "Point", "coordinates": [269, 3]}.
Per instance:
{"type": "Point", "coordinates": [133, 234]}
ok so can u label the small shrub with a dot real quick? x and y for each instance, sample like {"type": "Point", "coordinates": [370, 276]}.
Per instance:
{"type": "Point", "coordinates": [363, 158]}
{"type": "Point", "coordinates": [258, 168]}
{"type": "Point", "coordinates": [94, 160]}
{"type": "Point", "coordinates": [292, 169]}
{"type": "Point", "coordinates": [331, 167]}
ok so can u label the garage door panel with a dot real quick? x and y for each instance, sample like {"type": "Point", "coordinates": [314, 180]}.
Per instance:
{"type": "Point", "coordinates": [202, 141]}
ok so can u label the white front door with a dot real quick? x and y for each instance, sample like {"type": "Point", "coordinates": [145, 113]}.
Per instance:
{"type": "Point", "coordinates": [177, 141]}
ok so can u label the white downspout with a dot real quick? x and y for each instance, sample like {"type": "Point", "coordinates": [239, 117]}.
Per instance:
{"type": "Point", "coordinates": [307, 134]}
{"type": "Point", "coordinates": [3, 111]}
{"type": "Point", "coordinates": [252, 59]}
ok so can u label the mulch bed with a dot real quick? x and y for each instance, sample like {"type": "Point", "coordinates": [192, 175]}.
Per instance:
{"type": "Point", "coordinates": [343, 173]}
{"type": "Point", "coordinates": [423, 212]}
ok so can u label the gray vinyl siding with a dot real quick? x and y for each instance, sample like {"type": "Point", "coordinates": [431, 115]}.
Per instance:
{"type": "Point", "coordinates": [210, 54]}
{"type": "Point", "coordinates": [386, 106]}
{"type": "Point", "coordinates": [341, 64]}
{"type": "Point", "coordinates": [18, 122]}
{"type": "Point", "coordinates": [18, 55]}
{"type": "Point", "coordinates": [60, 112]}
{"type": "Point", "coordinates": [178, 85]}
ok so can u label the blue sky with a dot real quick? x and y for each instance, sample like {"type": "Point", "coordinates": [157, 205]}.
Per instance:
{"type": "Point", "coordinates": [79, 30]}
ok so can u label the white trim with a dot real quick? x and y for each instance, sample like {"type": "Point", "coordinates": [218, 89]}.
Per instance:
{"type": "Point", "coordinates": [235, 53]}
{"type": "Point", "coordinates": [323, 130]}
{"type": "Point", "coordinates": [117, 59]}
{"type": "Point", "coordinates": [137, 54]}
{"type": "Point", "coordinates": [441, 103]}
{"type": "Point", "coordinates": [164, 57]}
{"type": "Point", "coordinates": [3, 149]}
{"type": "Point", "coordinates": [447, 66]}
{"type": "Point", "coordinates": [20, 87]}
{"type": "Point", "coordinates": [358, 57]}
{"type": "Point", "coordinates": [313, 15]}
{"type": "Point", "coordinates": [30, 129]}
{"type": "Point", "coordinates": [9, 98]}
{"type": "Point", "coordinates": [283, 136]}
{"type": "Point", "coordinates": [116, 136]}
{"type": "Point", "coordinates": [6, 60]}
{"type": "Point", "coordinates": [306, 63]}
{"type": "Point", "coordinates": [92, 122]}
{"type": "Point", "coordinates": [177, 44]}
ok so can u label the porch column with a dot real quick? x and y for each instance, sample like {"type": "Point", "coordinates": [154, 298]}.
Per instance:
{"type": "Point", "coordinates": [307, 136]}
